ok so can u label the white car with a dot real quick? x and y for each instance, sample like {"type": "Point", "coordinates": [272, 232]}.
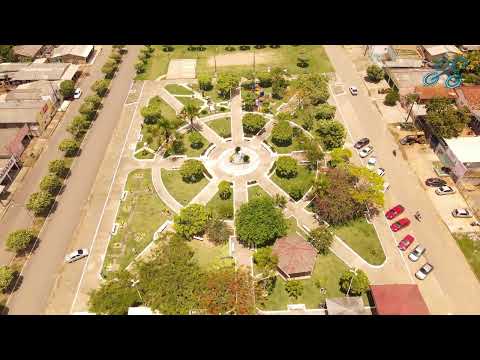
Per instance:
{"type": "Point", "coordinates": [372, 161]}
{"type": "Point", "coordinates": [76, 255]}
{"type": "Point", "coordinates": [353, 90]}
{"type": "Point", "coordinates": [365, 151]}
{"type": "Point", "coordinates": [417, 253]}
{"type": "Point", "coordinates": [422, 273]}
{"type": "Point", "coordinates": [444, 190]}
{"type": "Point", "coordinates": [461, 213]}
{"type": "Point", "coordinates": [77, 93]}
{"type": "Point", "coordinates": [380, 171]}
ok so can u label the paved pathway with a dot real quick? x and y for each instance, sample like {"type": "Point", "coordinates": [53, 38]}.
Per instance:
{"type": "Point", "coordinates": [237, 128]}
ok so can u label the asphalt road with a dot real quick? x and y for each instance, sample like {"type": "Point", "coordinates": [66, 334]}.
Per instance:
{"type": "Point", "coordinates": [452, 286]}
{"type": "Point", "coordinates": [41, 271]}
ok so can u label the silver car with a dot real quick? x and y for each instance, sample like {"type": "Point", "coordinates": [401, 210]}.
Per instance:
{"type": "Point", "coordinates": [422, 273]}
{"type": "Point", "coordinates": [461, 213]}
{"type": "Point", "coordinates": [76, 255]}
{"type": "Point", "coordinates": [365, 151]}
{"type": "Point", "coordinates": [444, 190]}
{"type": "Point", "coordinates": [416, 253]}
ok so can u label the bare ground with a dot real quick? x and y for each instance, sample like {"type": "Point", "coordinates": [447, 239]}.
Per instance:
{"type": "Point", "coordinates": [241, 58]}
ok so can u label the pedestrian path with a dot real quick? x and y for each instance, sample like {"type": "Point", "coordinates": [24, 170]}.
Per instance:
{"type": "Point", "coordinates": [237, 128]}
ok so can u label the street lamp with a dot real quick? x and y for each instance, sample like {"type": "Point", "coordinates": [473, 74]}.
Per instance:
{"type": "Point", "coordinates": [134, 285]}
{"type": "Point", "coordinates": [354, 271]}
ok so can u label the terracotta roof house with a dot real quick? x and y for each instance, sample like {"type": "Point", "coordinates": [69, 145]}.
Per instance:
{"type": "Point", "coordinates": [469, 96]}
{"type": "Point", "coordinates": [347, 306]}
{"type": "Point", "coordinates": [398, 299]}
{"type": "Point", "coordinates": [430, 92]}
{"type": "Point", "coordinates": [296, 257]}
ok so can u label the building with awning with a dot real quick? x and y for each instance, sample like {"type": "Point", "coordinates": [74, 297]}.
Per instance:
{"type": "Point", "coordinates": [398, 299]}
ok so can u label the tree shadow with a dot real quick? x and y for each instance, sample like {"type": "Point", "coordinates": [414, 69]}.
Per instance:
{"type": "Point", "coordinates": [4, 310]}
{"type": "Point", "coordinates": [15, 284]}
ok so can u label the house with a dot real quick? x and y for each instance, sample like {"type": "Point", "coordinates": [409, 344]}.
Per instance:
{"type": "Point", "coordinates": [296, 257]}
{"type": "Point", "coordinates": [403, 56]}
{"type": "Point", "coordinates": [436, 52]}
{"type": "Point", "coordinates": [20, 73]}
{"type": "Point", "coordinates": [35, 113]}
{"type": "Point", "coordinates": [425, 95]}
{"type": "Point", "coordinates": [348, 305]}
{"type": "Point", "coordinates": [398, 299]}
{"type": "Point", "coordinates": [468, 48]}
{"type": "Point", "coordinates": [405, 80]}
{"type": "Point", "coordinates": [74, 54]}
{"type": "Point", "coordinates": [27, 52]}
{"type": "Point", "coordinates": [469, 96]}
{"type": "Point", "coordinates": [377, 53]}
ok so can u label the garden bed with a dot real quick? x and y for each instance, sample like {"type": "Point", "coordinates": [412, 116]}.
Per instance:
{"type": "Point", "coordinates": [182, 192]}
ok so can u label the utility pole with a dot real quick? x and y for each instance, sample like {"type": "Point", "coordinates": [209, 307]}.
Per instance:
{"type": "Point", "coordinates": [409, 111]}
{"type": "Point", "coordinates": [366, 48]}
{"type": "Point", "coordinates": [354, 271]}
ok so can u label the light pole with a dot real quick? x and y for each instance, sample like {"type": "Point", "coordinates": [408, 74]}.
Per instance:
{"type": "Point", "coordinates": [134, 285]}
{"type": "Point", "coordinates": [354, 271]}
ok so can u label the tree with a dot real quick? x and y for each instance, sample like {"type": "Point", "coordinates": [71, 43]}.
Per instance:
{"type": "Point", "coordinates": [321, 239]}
{"type": "Point", "coordinates": [375, 73]}
{"type": "Point", "coordinates": [67, 88]}
{"type": "Point", "coordinates": [217, 231]}
{"type": "Point", "coordinates": [51, 183]}
{"type": "Point", "coordinates": [40, 202]}
{"type": "Point", "coordinates": [101, 87]}
{"type": "Point", "coordinates": [79, 126]}
{"type": "Point", "coordinates": [88, 110]}
{"type": "Point", "coordinates": [265, 79]}
{"type": "Point", "coordinates": [325, 111]}
{"type": "Point", "coordinates": [294, 289]}
{"type": "Point", "coordinates": [332, 134]}
{"type": "Point", "coordinates": [94, 100]}
{"type": "Point", "coordinates": [196, 140]}
{"type": "Point", "coordinates": [152, 113]}
{"type": "Point", "coordinates": [191, 111]}
{"type": "Point", "coordinates": [259, 222]}
{"type": "Point", "coordinates": [191, 221]}
{"type": "Point", "coordinates": [6, 277]}
{"type": "Point", "coordinates": [445, 119]}
{"type": "Point", "coordinates": [226, 82]}
{"type": "Point", "coordinates": [140, 67]}
{"type": "Point", "coordinates": [282, 134]}
{"type": "Point", "coordinates": [6, 53]}
{"type": "Point", "coordinates": [473, 58]}
{"type": "Point", "coordinates": [312, 149]}
{"type": "Point", "coordinates": [205, 82]}
{"type": "Point", "coordinates": [287, 167]}
{"type": "Point", "coordinates": [58, 167]}
{"type": "Point", "coordinates": [249, 100]}
{"type": "Point", "coordinates": [306, 117]}
{"type": "Point", "coordinates": [280, 200]}
{"type": "Point", "coordinates": [279, 84]}
{"type": "Point", "coordinates": [224, 190]}
{"type": "Point", "coordinates": [391, 98]}
{"type": "Point", "coordinates": [353, 284]}
{"type": "Point", "coordinates": [19, 240]}
{"type": "Point", "coordinates": [311, 89]}
{"type": "Point", "coordinates": [69, 146]}
{"type": "Point", "coordinates": [265, 260]}
{"type": "Point", "coordinates": [339, 156]}
{"type": "Point", "coordinates": [109, 69]}
{"type": "Point", "coordinates": [192, 171]}
{"type": "Point", "coordinates": [368, 188]}
{"type": "Point", "coordinates": [115, 56]}
{"type": "Point", "coordinates": [253, 123]}
{"type": "Point", "coordinates": [114, 296]}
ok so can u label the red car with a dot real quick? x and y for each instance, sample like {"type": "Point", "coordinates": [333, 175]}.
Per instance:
{"type": "Point", "coordinates": [400, 224]}
{"type": "Point", "coordinates": [394, 212]}
{"type": "Point", "coordinates": [406, 242]}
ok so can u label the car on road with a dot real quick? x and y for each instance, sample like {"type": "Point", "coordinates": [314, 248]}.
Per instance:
{"type": "Point", "coordinates": [400, 224]}
{"type": "Point", "coordinates": [365, 151]}
{"type": "Point", "coordinates": [76, 255]}
{"type": "Point", "coordinates": [353, 90]}
{"type": "Point", "coordinates": [380, 171]}
{"type": "Point", "coordinates": [435, 182]}
{"type": "Point", "coordinates": [394, 212]}
{"type": "Point", "coordinates": [77, 93]}
{"type": "Point", "coordinates": [361, 143]}
{"type": "Point", "coordinates": [423, 272]}
{"type": "Point", "coordinates": [372, 161]}
{"type": "Point", "coordinates": [417, 253]}
{"type": "Point", "coordinates": [406, 242]}
{"type": "Point", "coordinates": [444, 190]}
{"type": "Point", "coordinates": [461, 213]}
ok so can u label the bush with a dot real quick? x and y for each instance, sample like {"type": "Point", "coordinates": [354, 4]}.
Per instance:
{"type": "Point", "coordinates": [244, 47]}
{"type": "Point", "coordinates": [67, 88]}
{"type": "Point", "coordinates": [294, 289]}
{"type": "Point", "coordinates": [40, 202]}
{"type": "Point", "coordinates": [196, 140]}
{"type": "Point", "coordinates": [94, 100]}
{"type": "Point", "coordinates": [19, 240]}
{"type": "Point", "coordinates": [58, 167]}
{"type": "Point", "coordinates": [101, 87]}
{"type": "Point", "coordinates": [325, 111]}
{"type": "Point", "coordinates": [375, 73]}
{"type": "Point", "coordinates": [51, 183]}
{"type": "Point", "coordinates": [265, 260]}
{"type": "Point", "coordinates": [140, 67]}
{"type": "Point", "coordinates": [6, 277]}
{"type": "Point", "coordinates": [230, 48]}
{"type": "Point", "coordinates": [205, 82]}
{"type": "Point", "coordinates": [265, 79]}
{"type": "Point", "coordinates": [321, 239]}
{"type": "Point", "coordinates": [391, 98]}
{"type": "Point", "coordinates": [282, 134]}
{"type": "Point", "coordinates": [224, 190]}
{"type": "Point", "coordinates": [249, 100]}
{"type": "Point", "coordinates": [217, 231]}
{"type": "Point", "coordinates": [192, 171]}
{"type": "Point", "coordinates": [295, 191]}
{"type": "Point", "coordinates": [358, 284]}
{"type": "Point", "coordinates": [253, 123]}
{"type": "Point", "coordinates": [287, 167]}
{"type": "Point", "coordinates": [332, 134]}
{"type": "Point", "coordinates": [115, 56]}
{"type": "Point", "coordinates": [192, 221]}
{"type": "Point", "coordinates": [227, 82]}
{"type": "Point", "coordinates": [69, 146]}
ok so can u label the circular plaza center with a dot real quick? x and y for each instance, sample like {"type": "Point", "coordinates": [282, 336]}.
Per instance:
{"type": "Point", "coordinates": [238, 161]}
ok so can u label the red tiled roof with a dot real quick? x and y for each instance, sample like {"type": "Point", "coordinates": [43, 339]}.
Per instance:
{"type": "Point", "coordinates": [472, 95]}
{"type": "Point", "coordinates": [295, 255]}
{"type": "Point", "coordinates": [430, 92]}
{"type": "Point", "coordinates": [398, 299]}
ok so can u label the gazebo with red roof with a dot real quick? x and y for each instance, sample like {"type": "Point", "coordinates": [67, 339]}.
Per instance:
{"type": "Point", "coordinates": [398, 299]}
{"type": "Point", "coordinates": [296, 257]}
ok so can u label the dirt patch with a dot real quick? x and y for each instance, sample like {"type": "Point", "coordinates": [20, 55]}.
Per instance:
{"type": "Point", "coordinates": [241, 58]}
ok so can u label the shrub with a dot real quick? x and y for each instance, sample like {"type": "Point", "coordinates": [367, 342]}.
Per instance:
{"type": "Point", "coordinates": [287, 167]}
{"type": "Point", "coordinates": [249, 100]}
{"type": "Point", "coordinates": [58, 167]}
{"type": "Point", "coordinates": [40, 202]}
{"type": "Point", "coordinates": [224, 190]}
{"type": "Point", "coordinates": [205, 82]}
{"type": "Point", "coordinates": [358, 284]}
{"type": "Point", "coordinates": [295, 191]}
{"type": "Point", "coordinates": [196, 140]}
{"type": "Point", "coordinates": [217, 231]}
{"type": "Point", "coordinates": [101, 87]}
{"type": "Point", "coordinates": [244, 47]}
{"type": "Point", "coordinates": [321, 239]}
{"type": "Point", "coordinates": [294, 289]}
{"type": "Point", "coordinates": [265, 260]}
{"type": "Point", "coordinates": [191, 221]}
{"type": "Point", "coordinates": [79, 126]}
{"type": "Point", "coordinates": [230, 48]}
{"type": "Point", "coordinates": [94, 100]}
{"type": "Point", "coordinates": [192, 171]}
{"type": "Point", "coordinates": [325, 111]}
{"type": "Point", "coordinates": [265, 79]}
{"type": "Point", "coordinates": [109, 69]}
{"type": "Point", "coordinates": [67, 88]}
{"type": "Point", "coordinates": [140, 67]}
{"type": "Point", "coordinates": [246, 158]}
{"type": "Point", "coordinates": [375, 73]}
{"type": "Point", "coordinates": [19, 240]}
{"type": "Point", "coordinates": [282, 134]}
{"type": "Point", "coordinates": [51, 183]}
{"type": "Point", "coordinates": [332, 134]}
{"type": "Point", "coordinates": [115, 56]}
{"type": "Point", "coordinates": [253, 123]}
{"type": "Point", "coordinates": [69, 146]}
{"type": "Point", "coordinates": [6, 277]}
{"type": "Point", "coordinates": [391, 98]}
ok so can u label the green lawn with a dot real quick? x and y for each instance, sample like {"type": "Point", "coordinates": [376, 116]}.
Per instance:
{"type": "Point", "coordinates": [303, 180]}
{"type": "Point", "coordinates": [140, 215]}
{"type": "Point", "coordinates": [183, 192]}
{"type": "Point", "coordinates": [176, 89]}
{"type": "Point", "coordinates": [294, 146]}
{"type": "Point", "coordinates": [256, 190]}
{"type": "Point", "coordinates": [189, 150]}
{"type": "Point", "coordinates": [471, 251]}
{"type": "Point", "coordinates": [220, 207]}
{"type": "Point", "coordinates": [222, 127]}
{"type": "Point", "coordinates": [362, 238]}
{"type": "Point", "coordinates": [167, 111]}
{"type": "Point", "coordinates": [210, 256]}
{"type": "Point", "coordinates": [188, 100]}
{"type": "Point", "coordinates": [144, 154]}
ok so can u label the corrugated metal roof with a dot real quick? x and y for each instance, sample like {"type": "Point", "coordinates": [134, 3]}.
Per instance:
{"type": "Point", "coordinates": [27, 50]}
{"type": "Point", "coordinates": [76, 50]}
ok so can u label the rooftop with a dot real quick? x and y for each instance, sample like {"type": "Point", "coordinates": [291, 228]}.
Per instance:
{"type": "Point", "coordinates": [8, 67]}
{"type": "Point", "coordinates": [471, 95]}
{"type": "Point", "coordinates": [406, 78]}
{"type": "Point", "coordinates": [6, 136]}
{"type": "Point", "coordinates": [27, 50]}
{"type": "Point", "coordinates": [407, 51]}
{"type": "Point", "coordinates": [36, 71]}
{"type": "Point", "coordinates": [398, 299]}
{"type": "Point", "coordinates": [430, 92]}
{"type": "Point", "coordinates": [466, 149]}
{"type": "Point", "coordinates": [76, 50]}
{"type": "Point", "coordinates": [295, 255]}
{"type": "Point", "coordinates": [441, 49]}
{"type": "Point", "coordinates": [16, 112]}
{"type": "Point", "coordinates": [347, 306]}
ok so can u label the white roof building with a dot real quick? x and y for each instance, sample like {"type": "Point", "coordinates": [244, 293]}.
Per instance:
{"type": "Point", "coordinates": [75, 50]}
{"type": "Point", "coordinates": [466, 149]}
{"type": "Point", "coordinates": [141, 310]}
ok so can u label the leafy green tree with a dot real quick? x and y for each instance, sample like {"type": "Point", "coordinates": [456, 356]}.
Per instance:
{"type": "Point", "coordinates": [78, 126]}
{"type": "Point", "coordinates": [69, 146]}
{"type": "Point", "coordinates": [305, 117]}
{"type": "Point", "coordinates": [115, 56]}
{"type": "Point", "coordinates": [321, 239]}
{"type": "Point", "coordinates": [6, 53]}
{"type": "Point", "coordinates": [446, 120]}
{"type": "Point", "coordinates": [19, 240]}
{"type": "Point", "coordinates": [67, 88]}
{"type": "Point", "coordinates": [259, 222]}
{"type": "Point", "coordinates": [358, 284]}
{"type": "Point", "coordinates": [332, 134]}
{"type": "Point", "coordinates": [224, 190]}
{"type": "Point", "coordinates": [101, 87]}
{"type": "Point", "coordinates": [287, 167]}
{"type": "Point", "coordinates": [94, 100]}
{"type": "Point", "coordinates": [192, 171]}
{"type": "Point", "coordinates": [325, 111]}
{"type": "Point", "coordinates": [391, 98]}
{"type": "Point", "coordinates": [280, 200]}
{"type": "Point", "coordinates": [368, 188]}
{"type": "Point", "coordinates": [282, 134]}
{"type": "Point", "coordinates": [51, 183]}
{"type": "Point", "coordinates": [190, 112]}
{"type": "Point", "coordinates": [217, 231]}
{"type": "Point", "coordinates": [253, 123]}
{"type": "Point", "coordinates": [249, 100]}
{"type": "Point", "coordinates": [311, 89]}
{"type": "Point", "coordinates": [205, 82]}
{"type": "Point", "coordinates": [294, 289]}
{"type": "Point", "coordinates": [109, 69]}
{"type": "Point", "coordinates": [279, 84]}
{"type": "Point", "coordinates": [473, 58]}
{"type": "Point", "coordinates": [313, 151]}
{"type": "Point", "coordinates": [196, 140]}
{"type": "Point", "coordinates": [265, 79]}
{"type": "Point", "coordinates": [6, 277]}
{"type": "Point", "coordinates": [140, 67]}
{"type": "Point", "coordinates": [375, 73]}
{"type": "Point", "coordinates": [284, 116]}
{"type": "Point", "coordinates": [88, 111]}
{"type": "Point", "coordinates": [114, 296]}
{"type": "Point", "coordinates": [339, 156]}
{"type": "Point", "coordinates": [265, 259]}
{"type": "Point", "coordinates": [191, 221]}
{"type": "Point", "coordinates": [226, 82]}
{"type": "Point", "coordinates": [40, 202]}
{"type": "Point", "coordinates": [58, 167]}
{"type": "Point", "coordinates": [152, 113]}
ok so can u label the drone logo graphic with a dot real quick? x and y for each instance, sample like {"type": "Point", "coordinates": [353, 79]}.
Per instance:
{"type": "Point", "coordinates": [451, 68]}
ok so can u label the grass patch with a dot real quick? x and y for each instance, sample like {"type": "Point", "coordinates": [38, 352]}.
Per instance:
{"type": "Point", "coordinates": [303, 181]}
{"type": "Point", "coordinates": [256, 191]}
{"type": "Point", "coordinates": [471, 251]}
{"type": "Point", "coordinates": [139, 216]}
{"type": "Point", "coordinates": [362, 238]}
{"type": "Point", "coordinates": [183, 192]}
{"type": "Point", "coordinates": [294, 146]}
{"type": "Point", "coordinates": [189, 150]}
{"type": "Point", "coordinates": [222, 127]}
{"type": "Point", "coordinates": [188, 100]}
{"type": "Point", "coordinates": [210, 256]}
{"type": "Point", "coordinates": [176, 89]}
{"type": "Point", "coordinates": [220, 207]}
{"type": "Point", "coordinates": [144, 154]}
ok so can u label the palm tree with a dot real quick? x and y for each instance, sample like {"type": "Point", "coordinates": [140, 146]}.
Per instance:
{"type": "Point", "coordinates": [190, 111]}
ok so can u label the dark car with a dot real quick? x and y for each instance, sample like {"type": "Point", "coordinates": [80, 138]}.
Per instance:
{"type": "Point", "coordinates": [361, 143]}
{"type": "Point", "coordinates": [400, 224]}
{"type": "Point", "coordinates": [408, 140]}
{"type": "Point", "coordinates": [435, 182]}
{"type": "Point", "coordinates": [394, 212]}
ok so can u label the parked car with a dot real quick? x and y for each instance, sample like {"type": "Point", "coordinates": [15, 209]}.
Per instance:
{"type": "Point", "coordinates": [419, 138]}
{"type": "Point", "coordinates": [417, 253]}
{"type": "Point", "coordinates": [353, 90]}
{"type": "Point", "coordinates": [445, 190]}
{"type": "Point", "coordinates": [372, 161]}
{"type": "Point", "coordinates": [361, 143]}
{"type": "Point", "coordinates": [422, 273]}
{"type": "Point", "coordinates": [406, 242]}
{"type": "Point", "coordinates": [435, 182]}
{"type": "Point", "coordinates": [380, 171]}
{"type": "Point", "coordinates": [400, 224]}
{"type": "Point", "coordinates": [461, 213]}
{"type": "Point", "coordinates": [76, 255]}
{"type": "Point", "coordinates": [394, 212]}
{"type": "Point", "coordinates": [365, 151]}
{"type": "Point", "coordinates": [77, 93]}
